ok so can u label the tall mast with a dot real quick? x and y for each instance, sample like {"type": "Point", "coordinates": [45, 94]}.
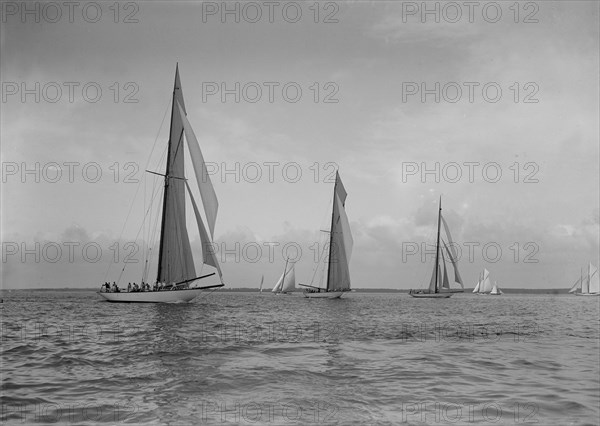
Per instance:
{"type": "Point", "coordinates": [164, 209]}
{"type": "Point", "coordinates": [437, 247]}
{"type": "Point", "coordinates": [331, 232]}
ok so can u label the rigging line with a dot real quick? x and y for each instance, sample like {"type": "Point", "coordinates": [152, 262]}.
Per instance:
{"type": "Point", "coordinates": [137, 190]}
{"type": "Point", "coordinates": [153, 236]}
{"type": "Point", "coordinates": [138, 234]}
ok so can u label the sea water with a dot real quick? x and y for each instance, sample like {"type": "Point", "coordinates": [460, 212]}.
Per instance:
{"type": "Point", "coordinates": [255, 358]}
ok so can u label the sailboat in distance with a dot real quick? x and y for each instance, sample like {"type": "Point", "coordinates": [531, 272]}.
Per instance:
{"type": "Point", "coordinates": [287, 282]}
{"type": "Point", "coordinates": [439, 285]}
{"type": "Point", "coordinates": [262, 280]}
{"type": "Point", "coordinates": [495, 290]}
{"type": "Point", "coordinates": [484, 284]}
{"type": "Point", "coordinates": [337, 253]}
{"type": "Point", "coordinates": [177, 280]}
{"type": "Point", "coordinates": [588, 285]}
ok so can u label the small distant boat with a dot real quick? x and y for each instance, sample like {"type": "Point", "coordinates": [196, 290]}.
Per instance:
{"type": "Point", "coordinates": [337, 253]}
{"type": "Point", "coordinates": [439, 286]}
{"type": "Point", "coordinates": [588, 285]}
{"type": "Point", "coordinates": [484, 284]}
{"type": "Point", "coordinates": [262, 280]}
{"type": "Point", "coordinates": [176, 279]}
{"type": "Point", "coordinates": [495, 290]}
{"type": "Point", "coordinates": [287, 282]}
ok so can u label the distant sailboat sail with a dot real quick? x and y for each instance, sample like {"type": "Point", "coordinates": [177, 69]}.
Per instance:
{"type": "Point", "coordinates": [588, 285]}
{"type": "Point", "coordinates": [439, 285]}
{"type": "Point", "coordinates": [287, 281]}
{"type": "Point", "coordinates": [495, 290]}
{"type": "Point", "coordinates": [262, 280]}
{"type": "Point", "coordinates": [486, 285]}
{"type": "Point", "coordinates": [339, 249]}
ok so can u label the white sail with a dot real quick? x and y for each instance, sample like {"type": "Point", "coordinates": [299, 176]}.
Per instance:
{"type": "Point", "coordinates": [476, 289]}
{"type": "Point", "coordinates": [452, 255]}
{"type": "Point", "coordinates": [593, 282]}
{"type": "Point", "coordinates": [445, 281]}
{"type": "Point", "coordinates": [576, 286]}
{"type": "Point", "coordinates": [208, 253]}
{"type": "Point", "coordinates": [287, 280]}
{"type": "Point", "coordinates": [262, 280]}
{"type": "Point", "coordinates": [175, 261]}
{"type": "Point", "coordinates": [289, 283]}
{"type": "Point", "coordinates": [495, 289]}
{"type": "Point", "coordinates": [585, 288]}
{"type": "Point", "coordinates": [207, 192]}
{"type": "Point", "coordinates": [340, 247]}
{"type": "Point", "coordinates": [486, 284]}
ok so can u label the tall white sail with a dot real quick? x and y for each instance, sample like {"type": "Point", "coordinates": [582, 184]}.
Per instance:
{"type": "Point", "coordinates": [593, 282]}
{"type": "Point", "coordinates": [340, 247]}
{"type": "Point", "coordinates": [476, 289]}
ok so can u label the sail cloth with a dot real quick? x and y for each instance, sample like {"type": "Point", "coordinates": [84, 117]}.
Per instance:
{"type": "Point", "coordinates": [340, 247]}
{"type": "Point", "coordinates": [445, 282]}
{"type": "Point", "coordinates": [287, 281]}
{"type": "Point", "coordinates": [593, 281]}
{"type": "Point", "coordinates": [576, 286]}
{"type": "Point", "coordinates": [486, 284]}
{"type": "Point", "coordinates": [452, 255]}
{"type": "Point", "coordinates": [208, 253]}
{"type": "Point", "coordinates": [207, 191]}
{"type": "Point", "coordinates": [175, 263]}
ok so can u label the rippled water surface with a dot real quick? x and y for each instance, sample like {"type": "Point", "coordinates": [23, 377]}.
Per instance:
{"type": "Point", "coordinates": [250, 358]}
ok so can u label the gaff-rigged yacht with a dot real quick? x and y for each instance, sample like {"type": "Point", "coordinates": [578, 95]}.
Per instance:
{"type": "Point", "coordinates": [587, 285]}
{"type": "Point", "coordinates": [439, 285]}
{"type": "Point", "coordinates": [337, 253]}
{"type": "Point", "coordinates": [177, 280]}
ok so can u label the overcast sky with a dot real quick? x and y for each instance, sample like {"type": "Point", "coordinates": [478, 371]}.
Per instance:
{"type": "Point", "coordinates": [527, 108]}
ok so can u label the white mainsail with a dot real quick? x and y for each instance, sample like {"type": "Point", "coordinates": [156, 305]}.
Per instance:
{"type": "Point", "coordinates": [336, 255]}
{"type": "Point", "coordinates": [287, 281]}
{"type": "Point", "coordinates": [340, 247]}
{"type": "Point", "coordinates": [175, 261]}
{"type": "Point", "coordinates": [476, 289]}
{"type": "Point", "coordinates": [486, 284]}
